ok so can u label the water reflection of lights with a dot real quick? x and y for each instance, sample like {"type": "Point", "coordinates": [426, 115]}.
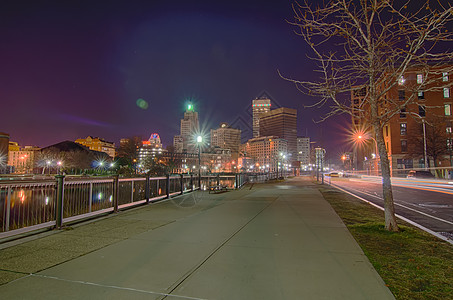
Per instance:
{"type": "Point", "coordinates": [22, 196]}
{"type": "Point", "coordinates": [47, 200]}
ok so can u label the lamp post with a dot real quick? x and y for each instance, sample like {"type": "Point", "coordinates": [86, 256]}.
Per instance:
{"type": "Point", "coordinates": [361, 137]}
{"type": "Point", "coordinates": [199, 141]}
{"type": "Point", "coordinates": [424, 144]}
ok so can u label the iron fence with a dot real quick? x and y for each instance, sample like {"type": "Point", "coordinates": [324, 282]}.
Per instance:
{"type": "Point", "coordinates": [37, 204]}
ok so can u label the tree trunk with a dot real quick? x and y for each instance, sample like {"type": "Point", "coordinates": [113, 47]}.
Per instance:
{"type": "Point", "coordinates": [389, 208]}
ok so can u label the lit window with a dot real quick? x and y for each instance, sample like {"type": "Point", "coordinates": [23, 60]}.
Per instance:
{"type": "Point", "coordinates": [449, 129]}
{"type": "Point", "coordinates": [421, 95]}
{"type": "Point", "coordinates": [401, 80]}
{"type": "Point", "coordinates": [444, 76]}
{"type": "Point", "coordinates": [446, 93]}
{"type": "Point", "coordinates": [419, 78]}
{"type": "Point", "coordinates": [448, 109]}
{"type": "Point", "coordinates": [403, 128]}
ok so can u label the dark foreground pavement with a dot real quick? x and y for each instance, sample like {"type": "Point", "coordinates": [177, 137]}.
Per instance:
{"type": "Point", "coordinates": [270, 241]}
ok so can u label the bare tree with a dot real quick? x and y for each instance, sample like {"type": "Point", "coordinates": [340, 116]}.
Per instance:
{"type": "Point", "coordinates": [435, 137]}
{"type": "Point", "coordinates": [370, 45]}
{"type": "Point", "coordinates": [128, 151]}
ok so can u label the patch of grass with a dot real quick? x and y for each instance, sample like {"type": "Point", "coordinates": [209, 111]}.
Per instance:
{"type": "Point", "coordinates": [413, 263]}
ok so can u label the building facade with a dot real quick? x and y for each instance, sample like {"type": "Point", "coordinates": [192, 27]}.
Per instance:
{"type": "Point", "coordinates": [303, 151]}
{"type": "Point", "coordinates": [281, 122]}
{"type": "Point", "coordinates": [150, 149]}
{"type": "Point", "coordinates": [98, 144]}
{"type": "Point", "coordinates": [425, 118]}
{"type": "Point", "coordinates": [267, 153]}
{"type": "Point", "coordinates": [22, 159]}
{"type": "Point", "coordinates": [226, 137]}
{"type": "Point", "coordinates": [259, 106]}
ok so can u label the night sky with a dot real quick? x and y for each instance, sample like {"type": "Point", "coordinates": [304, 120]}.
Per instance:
{"type": "Point", "coordinates": [70, 69]}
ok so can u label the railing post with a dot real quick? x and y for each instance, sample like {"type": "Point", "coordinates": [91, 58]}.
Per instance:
{"type": "Point", "coordinates": [8, 208]}
{"type": "Point", "coordinates": [132, 190]}
{"type": "Point", "coordinates": [90, 199]}
{"type": "Point", "coordinates": [191, 182]}
{"type": "Point", "coordinates": [168, 186]}
{"type": "Point", "coordinates": [182, 184]}
{"type": "Point", "coordinates": [59, 209]}
{"type": "Point", "coordinates": [147, 186]}
{"type": "Point", "coordinates": [218, 179]}
{"type": "Point", "coordinates": [116, 186]}
{"type": "Point", "coordinates": [237, 180]}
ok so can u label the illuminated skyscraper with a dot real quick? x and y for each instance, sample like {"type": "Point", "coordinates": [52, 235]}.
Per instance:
{"type": "Point", "coordinates": [259, 106]}
{"type": "Point", "coordinates": [281, 122]}
{"type": "Point", "coordinates": [189, 127]}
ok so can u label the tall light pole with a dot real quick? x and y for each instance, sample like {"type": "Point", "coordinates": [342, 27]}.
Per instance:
{"type": "Point", "coordinates": [360, 137]}
{"type": "Point", "coordinates": [424, 144]}
{"type": "Point", "coordinates": [199, 141]}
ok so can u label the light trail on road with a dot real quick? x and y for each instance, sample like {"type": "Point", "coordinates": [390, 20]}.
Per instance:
{"type": "Point", "coordinates": [425, 203]}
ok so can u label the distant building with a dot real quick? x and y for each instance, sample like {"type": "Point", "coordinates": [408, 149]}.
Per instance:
{"type": "Point", "coordinates": [189, 127]}
{"type": "Point", "coordinates": [216, 160]}
{"type": "Point", "coordinates": [150, 149]}
{"type": "Point", "coordinates": [281, 122]}
{"type": "Point", "coordinates": [178, 143]}
{"type": "Point", "coordinates": [22, 159]}
{"type": "Point", "coordinates": [226, 137]}
{"type": "Point", "coordinates": [303, 150]}
{"type": "Point", "coordinates": [4, 143]}
{"type": "Point", "coordinates": [259, 106]}
{"type": "Point", "coordinates": [266, 153]}
{"type": "Point", "coordinates": [98, 144]}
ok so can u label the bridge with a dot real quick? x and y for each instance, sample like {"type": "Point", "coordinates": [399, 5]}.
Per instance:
{"type": "Point", "coordinates": [277, 240]}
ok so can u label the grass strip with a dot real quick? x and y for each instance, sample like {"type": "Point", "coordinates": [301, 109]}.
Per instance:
{"type": "Point", "coordinates": [412, 263]}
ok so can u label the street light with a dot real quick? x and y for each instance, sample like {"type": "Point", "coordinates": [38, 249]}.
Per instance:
{"type": "Point", "coordinates": [199, 141]}
{"type": "Point", "coordinates": [362, 137]}
{"type": "Point", "coordinates": [59, 163]}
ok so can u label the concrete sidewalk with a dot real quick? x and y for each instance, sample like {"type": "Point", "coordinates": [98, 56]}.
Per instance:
{"type": "Point", "coordinates": [273, 241]}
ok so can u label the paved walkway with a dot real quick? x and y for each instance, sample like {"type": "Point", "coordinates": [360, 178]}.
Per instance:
{"type": "Point", "coordinates": [273, 241]}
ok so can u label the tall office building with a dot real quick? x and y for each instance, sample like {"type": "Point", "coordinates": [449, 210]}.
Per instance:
{"type": "Point", "coordinates": [303, 150]}
{"type": "Point", "coordinates": [259, 106]}
{"type": "Point", "coordinates": [226, 137]}
{"type": "Point", "coordinates": [281, 122]}
{"type": "Point", "coordinates": [189, 127]}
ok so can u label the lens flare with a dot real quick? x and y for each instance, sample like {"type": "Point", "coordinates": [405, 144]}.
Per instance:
{"type": "Point", "coordinates": [142, 103]}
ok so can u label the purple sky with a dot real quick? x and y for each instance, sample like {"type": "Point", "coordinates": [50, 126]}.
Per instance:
{"type": "Point", "coordinates": [70, 69]}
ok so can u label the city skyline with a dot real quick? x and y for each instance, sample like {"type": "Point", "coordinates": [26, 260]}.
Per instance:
{"type": "Point", "coordinates": [127, 69]}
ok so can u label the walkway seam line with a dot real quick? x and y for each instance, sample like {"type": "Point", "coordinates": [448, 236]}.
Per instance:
{"type": "Point", "coordinates": [189, 273]}
{"type": "Point", "coordinates": [112, 286]}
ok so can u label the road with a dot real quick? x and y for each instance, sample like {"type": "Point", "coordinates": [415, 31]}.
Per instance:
{"type": "Point", "coordinates": [426, 202]}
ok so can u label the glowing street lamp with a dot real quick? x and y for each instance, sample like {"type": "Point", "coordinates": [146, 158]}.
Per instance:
{"type": "Point", "coordinates": [361, 137]}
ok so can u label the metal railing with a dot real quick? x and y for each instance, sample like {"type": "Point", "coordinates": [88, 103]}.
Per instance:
{"type": "Point", "coordinates": [37, 204]}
